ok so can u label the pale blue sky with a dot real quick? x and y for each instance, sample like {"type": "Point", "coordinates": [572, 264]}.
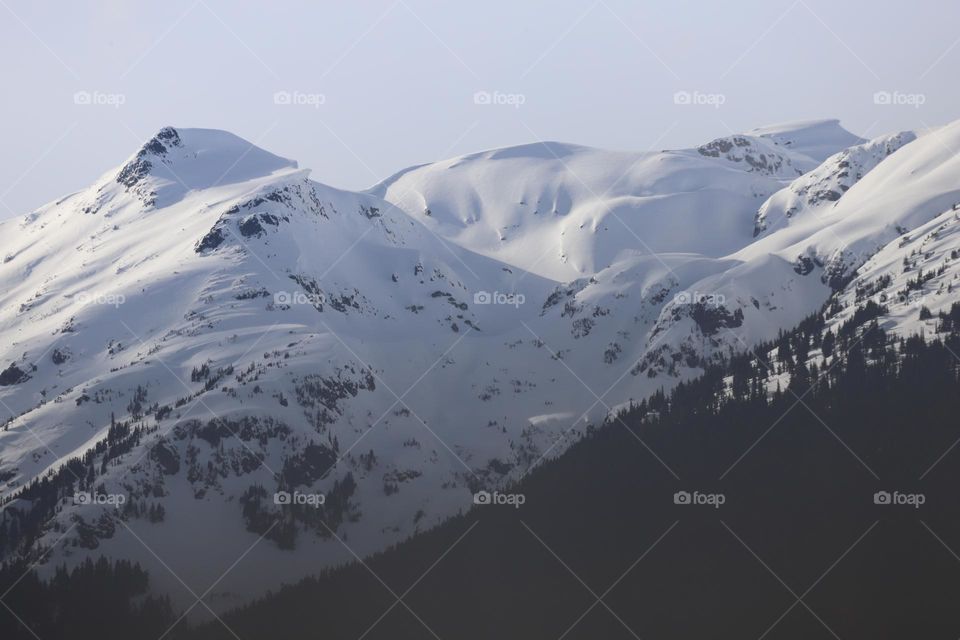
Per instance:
{"type": "Point", "coordinates": [398, 78]}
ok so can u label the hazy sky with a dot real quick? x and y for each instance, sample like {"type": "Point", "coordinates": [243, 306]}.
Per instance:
{"type": "Point", "coordinates": [375, 86]}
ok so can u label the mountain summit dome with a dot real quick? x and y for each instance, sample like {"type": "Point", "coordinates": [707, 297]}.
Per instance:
{"type": "Point", "coordinates": [175, 161]}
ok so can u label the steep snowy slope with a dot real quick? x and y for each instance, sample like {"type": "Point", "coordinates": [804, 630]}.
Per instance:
{"type": "Point", "coordinates": [913, 279]}
{"type": "Point", "coordinates": [901, 192]}
{"type": "Point", "coordinates": [788, 272]}
{"type": "Point", "coordinates": [815, 192]}
{"type": "Point", "coordinates": [206, 326]}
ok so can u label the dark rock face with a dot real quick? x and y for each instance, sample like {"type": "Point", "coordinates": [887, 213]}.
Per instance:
{"type": "Point", "coordinates": [133, 173]}
{"type": "Point", "coordinates": [157, 144]}
{"type": "Point", "coordinates": [250, 226]}
{"type": "Point", "coordinates": [253, 225]}
{"type": "Point", "coordinates": [136, 169]}
{"type": "Point", "coordinates": [212, 240]}
{"type": "Point", "coordinates": [722, 146]}
{"type": "Point", "coordinates": [741, 149]}
{"type": "Point", "coordinates": [804, 265]}
{"type": "Point", "coordinates": [711, 318]}
{"type": "Point", "coordinates": [13, 375]}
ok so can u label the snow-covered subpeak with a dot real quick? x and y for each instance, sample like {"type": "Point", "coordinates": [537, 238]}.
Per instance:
{"type": "Point", "coordinates": [546, 150]}
{"type": "Point", "coordinates": [565, 211]}
{"type": "Point", "coordinates": [821, 188]}
{"type": "Point", "coordinates": [906, 189]}
{"type": "Point", "coordinates": [816, 139]}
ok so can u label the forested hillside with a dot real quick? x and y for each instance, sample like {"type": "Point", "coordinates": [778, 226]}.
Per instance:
{"type": "Point", "coordinates": [798, 470]}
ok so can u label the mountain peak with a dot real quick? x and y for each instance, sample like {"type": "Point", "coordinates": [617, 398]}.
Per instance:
{"type": "Point", "coordinates": [157, 144]}
{"type": "Point", "coordinates": [142, 162]}
{"type": "Point", "coordinates": [175, 161]}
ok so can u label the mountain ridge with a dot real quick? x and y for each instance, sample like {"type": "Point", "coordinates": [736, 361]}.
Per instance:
{"type": "Point", "coordinates": [273, 333]}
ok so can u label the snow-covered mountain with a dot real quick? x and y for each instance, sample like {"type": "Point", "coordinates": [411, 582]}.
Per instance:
{"type": "Point", "coordinates": [565, 211]}
{"type": "Point", "coordinates": [206, 326]}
